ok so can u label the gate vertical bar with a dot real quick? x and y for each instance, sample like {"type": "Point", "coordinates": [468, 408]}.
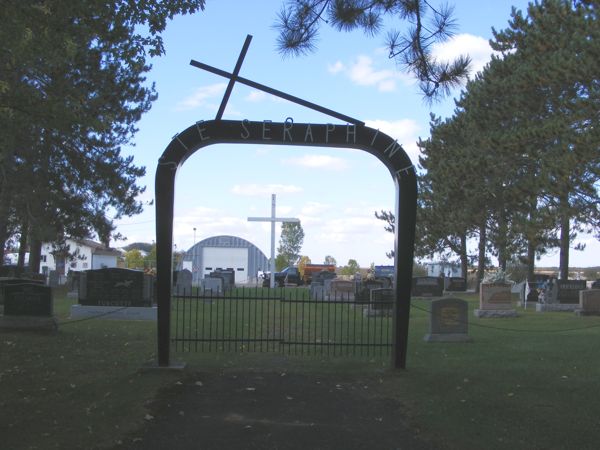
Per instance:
{"type": "Point", "coordinates": [406, 208]}
{"type": "Point", "coordinates": [165, 179]}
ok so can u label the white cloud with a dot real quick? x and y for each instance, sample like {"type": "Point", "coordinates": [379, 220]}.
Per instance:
{"type": "Point", "coordinates": [314, 208]}
{"type": "Point", "coordinates": [252, 190]}
{"type": "Point", "coordinates": [201, 96]}
{"type": "Point", "coordinates": [318, 162]}
{"type": "Point", "coordinates": [336, 67]}
{"type": "Point", "coordinates": [476, 47]}
{"type": "Point", "coordinates": [364, 73]}
{"type": "Point", "coordinates": [256, 96]}
{"type": "Point", "coordinates": [404, 130]}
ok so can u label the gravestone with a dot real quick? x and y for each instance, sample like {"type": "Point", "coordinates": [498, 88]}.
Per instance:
{"type": "Point", "coordinates": [116, 287]}
{"type": "Point", "coordinates": [342, 290]}
{"type": "Point", "coordinates": [115, 294]}
{"type": "Point", "coordinates": [382, 303]}
{"type": "Point", "coordinates": [562, 295]}
{"type": "Point", "coordinates": [53, 279]}
{"type": "Point", "coordinates": [427, 287]}
{"type": "Point", "coordinates": [363, 291]}
{"type": "Point", "coordinates": [212, 286]}
{"type": "Point", "coordinates": [73, 284]}
{"type": "Point", "coordinates": [28, 306]}
{"type": "Point", "coordinates": [495, 300]}
{"type": "Point", "coordinates": [8, 281]}
{"type": "Point", "coordinates": [455, 284]}
{"type": "Point", "coordinates": [228, 277]}
{"type": "Point", "coordinates": [317, 291]}
{"type": "Point", "coordinates": [589, 303]}
{"type": "Point", "coordinates": [448, 321]}
{"type": "Point", "coordinates": [182, 284]}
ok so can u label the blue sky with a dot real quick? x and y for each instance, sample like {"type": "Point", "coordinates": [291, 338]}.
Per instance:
{"type": "Point", "coordinates": [333, 191]}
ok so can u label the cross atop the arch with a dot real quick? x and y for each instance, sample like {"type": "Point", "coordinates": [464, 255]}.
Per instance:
{"type": "Point", "coordinates": [234, 77]}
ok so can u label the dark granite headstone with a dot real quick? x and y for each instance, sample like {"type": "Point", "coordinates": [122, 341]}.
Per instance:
{"type": "Point", "coordinates": [382, 299]}
{"type": "Point", "coordinates": [427, 287]}
{"type": "Point", "coordinates": [27, 299]}
{"type": "Point", "coordinates": [182, 282]}
{"type": "Point", "coordinates": [363, 290]}
{"type": "Point", "coordinates": [568, 290]}
{"type": "Point", "coordinates": [228, 277]}
{"type": "Point", "coordinates": [116, 287]}
{"type": "Point", "coordinates": [10, 281]}
{"type": "Point", "coordinates": [448, 321]}
{"type": "Point", "coordinates": [455, 284]}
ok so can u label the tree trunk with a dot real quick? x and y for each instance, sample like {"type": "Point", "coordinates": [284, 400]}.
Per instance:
{"type": "Point", "coordinates": [565, 228]}
{"type": "Point", "coordinates": [530, 260]}
{"type": "Point", "coordinates": [35, 252]}
{"type": "Point", "coordinates": [481, 255]}
{"type": "Point", "coordinates": [23, 244]}
{"type": "Point", "coordinates": [501, 241]}
{"type": "Point", "coordinates": [5, 203]}
{"type": "Point", "coordinates": [464, 260]}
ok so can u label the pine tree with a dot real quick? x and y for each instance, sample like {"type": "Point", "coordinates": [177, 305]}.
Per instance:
{"type": "Point", "coordinates": [299, 23]}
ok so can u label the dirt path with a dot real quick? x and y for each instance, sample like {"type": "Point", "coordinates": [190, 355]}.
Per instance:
{"type": "Point", "coordinates": [249, 410]}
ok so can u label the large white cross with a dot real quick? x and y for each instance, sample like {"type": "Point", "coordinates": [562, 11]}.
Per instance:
{"type": "Point", "coordinates": [273, 219]}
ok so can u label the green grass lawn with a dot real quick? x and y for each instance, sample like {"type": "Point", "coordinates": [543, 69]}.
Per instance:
{"type": "Point", "coordinates": [528, 383]}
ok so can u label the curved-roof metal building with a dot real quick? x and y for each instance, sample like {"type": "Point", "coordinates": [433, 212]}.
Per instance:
{"type": "Point", "coordinates": [225, 252]}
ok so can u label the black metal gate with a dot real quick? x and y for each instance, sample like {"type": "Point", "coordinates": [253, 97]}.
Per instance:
{"type": "Point", "coordinates": [283, 320]}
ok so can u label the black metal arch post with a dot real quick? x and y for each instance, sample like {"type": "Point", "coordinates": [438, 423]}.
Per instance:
{"type": "Point", "coordinates": [357, 136]}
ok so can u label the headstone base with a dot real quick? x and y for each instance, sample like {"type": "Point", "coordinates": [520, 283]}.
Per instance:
{"type": "Point", "coordinates": [581, 312]}
{"type": "Point", "coordinates": [370, 312]}
{"type": "Point", "coordinates": [556, 307]}
{"type": "Point", "coordinates": [524, 305]}
{"type": "Point", "coordinates": [114, 312]}
{"type": "Point", "coordinates": [28, 323]}
{"type": "Point", "coordinates": [495, 313]}
{"type": "Point", "coordinates": [174, 366]}
{"type": "Point", "coordinates": [447, 337]}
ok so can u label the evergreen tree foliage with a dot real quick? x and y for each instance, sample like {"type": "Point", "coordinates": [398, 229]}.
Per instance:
{"type": "Point", "coordinates": [72, 88]}
{"type": "Point", "coordinates": [424, 23]}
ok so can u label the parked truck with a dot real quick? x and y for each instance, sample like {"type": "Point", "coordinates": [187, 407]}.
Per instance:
{"type": "Point", "coordinates": [292, 275]}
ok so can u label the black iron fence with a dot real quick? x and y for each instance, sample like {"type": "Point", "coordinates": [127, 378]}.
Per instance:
{"type": "Point", "coordinates": [283, 320]}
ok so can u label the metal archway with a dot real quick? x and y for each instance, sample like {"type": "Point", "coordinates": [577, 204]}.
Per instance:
{"type": "Point", "coordinates": [358, 136]}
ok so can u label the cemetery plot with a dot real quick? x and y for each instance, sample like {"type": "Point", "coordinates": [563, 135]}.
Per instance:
{"type": "Point", "coordinates": [277, 320]}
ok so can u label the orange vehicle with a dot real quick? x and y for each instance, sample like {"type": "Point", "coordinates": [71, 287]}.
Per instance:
{"type": "Point", "coordinates": [312, 269]}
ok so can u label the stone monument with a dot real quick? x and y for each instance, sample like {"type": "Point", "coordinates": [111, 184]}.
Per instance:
{"type": "Point", "coordinates": [448, 321]}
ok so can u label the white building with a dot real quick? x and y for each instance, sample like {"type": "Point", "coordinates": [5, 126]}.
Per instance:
{"type": "Point", "coordinates": [81, 254]}
{"type": "Point", "coordinates": [438, 269]}
{"type": "Point", "coordinates": [225, 252]}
